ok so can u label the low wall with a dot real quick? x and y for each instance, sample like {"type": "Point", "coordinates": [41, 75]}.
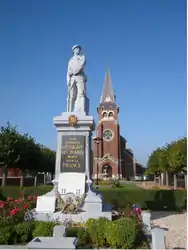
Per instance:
{"type": "Point", "coordinates": [15, 181]}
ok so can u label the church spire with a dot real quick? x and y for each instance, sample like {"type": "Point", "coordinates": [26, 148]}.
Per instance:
{"type": "Point", "coordinates": [108, 92]}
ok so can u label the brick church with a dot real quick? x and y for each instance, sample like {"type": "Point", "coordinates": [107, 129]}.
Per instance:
{"type": "Point", "coordinates": [111, 157]}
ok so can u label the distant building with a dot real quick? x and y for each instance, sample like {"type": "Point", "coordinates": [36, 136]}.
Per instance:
{"type": "Point", "coordinates": [111, 157]}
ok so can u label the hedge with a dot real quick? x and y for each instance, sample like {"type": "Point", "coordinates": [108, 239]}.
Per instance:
{"type": "Point", "coordinates": [171, 200]}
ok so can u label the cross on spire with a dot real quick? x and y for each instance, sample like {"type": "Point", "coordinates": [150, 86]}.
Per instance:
{"type": "Point", "coordinates": [108, 92]}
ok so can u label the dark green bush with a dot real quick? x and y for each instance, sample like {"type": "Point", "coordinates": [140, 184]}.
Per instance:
{"type": "Point", "coordinates": [7, 235]}
{"type": "Point", "coordinates": [43, 228]}
{"type": "Point", "coordinates": [15, 192]}
{"type": "Point", "coordinates": [24, 231]}
{"type": "Point", "coordinates": [71, 231]}
{"type": "Point", "coordinates": [2, 197]}
{"type": "Point", "coordinates": [171, 200]}
{"type": "Point", "coordinates": [6, 221]}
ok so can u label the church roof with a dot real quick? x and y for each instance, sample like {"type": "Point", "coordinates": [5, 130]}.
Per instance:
{"type": "Point", "coordinates": [108, 92]}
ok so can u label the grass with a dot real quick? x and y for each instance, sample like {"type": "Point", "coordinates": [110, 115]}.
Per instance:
{"type": "Point", "coordinates": [122, 188]}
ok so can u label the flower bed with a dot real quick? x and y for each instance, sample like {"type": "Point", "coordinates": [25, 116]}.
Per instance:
{"type": "Point", "coordinates": [124, 232]}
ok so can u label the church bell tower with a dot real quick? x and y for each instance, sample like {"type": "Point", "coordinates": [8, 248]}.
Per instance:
{"type": "Point", "coordinates": [106, 146]}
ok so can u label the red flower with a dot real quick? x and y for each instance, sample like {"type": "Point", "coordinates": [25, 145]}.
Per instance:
{"type": "Point", "coordinates": [29, 198]}
{"type": "Point", "coordinates": [14, 211]}
{"type": "Point", "coordinates": [2, 204]}
{"type": "Point", "coordinates": [9, 199]}
{"type": "Point", "coordinates": [16, 201]}
{"type": "Point", "coordinates": [25, 206]}
{"type": "Point", "coordinates": [35, 198]}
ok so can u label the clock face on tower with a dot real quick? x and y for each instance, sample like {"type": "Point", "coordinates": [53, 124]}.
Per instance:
{"type": "Point", "coordinates": [108, 134]}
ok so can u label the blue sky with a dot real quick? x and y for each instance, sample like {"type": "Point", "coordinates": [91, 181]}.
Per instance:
{"type": "Point", "coordinates": [142, 42]}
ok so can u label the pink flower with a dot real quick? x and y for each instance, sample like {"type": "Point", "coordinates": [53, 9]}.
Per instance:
{"type": "Point", "coordinates": [29, 198]}
{"type": "Point", "coordinates": [2, 204]}
{"type": "Point", "coordinates": [138, 209]}
{"type": "Point", "coordinates": [9, 199]}
{"type": "Point", "coordinates": [14, 211]}
{"type": "Point", "coordinates": [35, 198]}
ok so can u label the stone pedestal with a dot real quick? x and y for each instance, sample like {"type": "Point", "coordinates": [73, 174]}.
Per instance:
{"type": "Point", "coordinates": [72, 171]}
{"type": "Point", "coordinates": [68, 179]}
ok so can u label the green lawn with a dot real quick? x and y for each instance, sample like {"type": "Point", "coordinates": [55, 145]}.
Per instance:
{"type": "Point", "coordinates": [123, 187]}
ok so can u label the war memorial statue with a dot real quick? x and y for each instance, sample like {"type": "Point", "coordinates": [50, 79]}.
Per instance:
{"type": "Point", "coordinates": [76, 81]}
{"type": "Point", "coordinates": [72, 196]}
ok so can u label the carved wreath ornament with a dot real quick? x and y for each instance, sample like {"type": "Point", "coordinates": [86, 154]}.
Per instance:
{"type": "Point", "coordinates": [70, 204]}
{"type": "Point", "coordinates": [73, 120]}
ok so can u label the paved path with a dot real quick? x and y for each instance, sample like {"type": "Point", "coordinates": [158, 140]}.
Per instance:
{"type": "Point", "coordinates": [176, 236]}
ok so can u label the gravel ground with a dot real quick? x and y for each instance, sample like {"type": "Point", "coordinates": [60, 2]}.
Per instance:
{"type": "Point", "coordinates": [176, 225]}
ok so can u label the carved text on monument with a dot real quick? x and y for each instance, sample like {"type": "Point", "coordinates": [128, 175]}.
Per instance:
{"type": "Point", "coordinates": [73, 154]}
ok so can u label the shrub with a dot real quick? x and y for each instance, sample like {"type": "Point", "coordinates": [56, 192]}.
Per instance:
{"type": "Point", "coordinates": [105, 182]}
{"type": "Point", "coordinates": [43, 228]}
{"type": "Point", "coordinates": [171, 200]}
{"type": "Point", "coordinates": [81, 233]}
{"type": "Point", "coordinates": [71, 231]}
{"type": "Point", "coordinates": [6, 221]}
{"type": "Point", "coordinates": [83, 237]}
{"type": "Point", "coordinates": [96, 229]}
{"type": "Point", "coordinates": [2, 197]}
{"type": "Point", "coordinates": [15, 192]}
{"type": "Point", "coordinates": [116, 184]}
{"type": "Point", "coordinates": [122, 233]}
{"type": "Point", "coordinates": [7, 235]}
{"type": "Point", "coordinates": [24, 232]}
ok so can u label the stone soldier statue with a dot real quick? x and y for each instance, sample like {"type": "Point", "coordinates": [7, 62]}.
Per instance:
{"type": "Point", "coordinates": [76, 80]}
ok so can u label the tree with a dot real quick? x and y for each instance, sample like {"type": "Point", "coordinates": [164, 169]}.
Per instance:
{"type": "Point", "coordinates": [153, 162]}
{"type": "Point", "coordinates": [48, 160]}
{"type": "Point", "coordinates": [30, 155]}
{"type": "Point", "coordinates": [170, 158]}
{"type": "Point", "coordinates": [23, 152]}
{"type": "Point", "coordinates": [177, 155]}
{"type": "Point", "coordinates": [9, 155]}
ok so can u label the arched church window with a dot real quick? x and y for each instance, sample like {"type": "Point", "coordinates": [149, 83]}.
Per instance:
{"type": "Point", "coordinates": [111, 115]}
{"type": "Point", "coordinates": [105, 115]}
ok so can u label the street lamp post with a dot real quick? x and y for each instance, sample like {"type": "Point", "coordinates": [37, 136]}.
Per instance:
{"type": "Point", "coordinates": [97, 141]}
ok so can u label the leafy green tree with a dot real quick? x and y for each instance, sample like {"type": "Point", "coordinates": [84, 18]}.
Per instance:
{"type": "Point", "coordinates": [170, 158]}
{"type": "Point", "coordinates": [30, 155]}
{"type": "Point", "coordinates": [48, 160]}
{"type": "Point", "coordinates": [9, 155]}
{"type": "Point", "coordinates": [177, 155]}
{"type": "Point", "coordinates": [153, 162]}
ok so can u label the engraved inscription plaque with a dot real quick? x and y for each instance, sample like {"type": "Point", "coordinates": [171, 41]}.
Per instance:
{"type": "Point", "coordinates": [73, 154]}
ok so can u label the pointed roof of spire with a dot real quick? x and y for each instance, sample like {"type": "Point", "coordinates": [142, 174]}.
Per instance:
{"type": "Point", "coordinates": [108, 92]}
